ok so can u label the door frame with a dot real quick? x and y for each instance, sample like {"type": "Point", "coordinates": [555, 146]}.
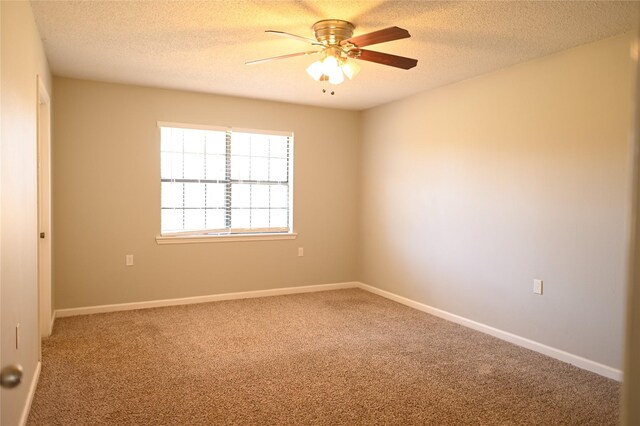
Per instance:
{"type": "Point", "coordinates": [45, 321]}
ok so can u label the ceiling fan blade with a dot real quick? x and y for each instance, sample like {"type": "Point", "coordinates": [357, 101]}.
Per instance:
{"type": "Point", "coordinates": [387, 59]}
{"type": "Point", "coordinates": [295, 37]}
{"type": "Point", "coordinates": [275, 58]}
{"type": "Point", "coordinates": [380, 36]}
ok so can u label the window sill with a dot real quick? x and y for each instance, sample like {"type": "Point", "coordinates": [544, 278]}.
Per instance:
{"type": "Point", "coordinates": [193, 239]}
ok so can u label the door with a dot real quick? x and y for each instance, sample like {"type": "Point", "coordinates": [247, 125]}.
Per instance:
{"type": "Point", "coordinates": [630, 413]}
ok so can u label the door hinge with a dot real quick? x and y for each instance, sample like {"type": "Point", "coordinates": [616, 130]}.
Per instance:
{"type": "Point", "coordinates": [42, 235]}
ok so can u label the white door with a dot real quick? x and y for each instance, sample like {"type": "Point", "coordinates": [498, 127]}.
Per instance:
{"type": "Point", "coordinates": [630, 413]}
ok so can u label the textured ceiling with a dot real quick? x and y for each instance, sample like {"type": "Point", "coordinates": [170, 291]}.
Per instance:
{"type": "Point", "coordinates": [202, 45]}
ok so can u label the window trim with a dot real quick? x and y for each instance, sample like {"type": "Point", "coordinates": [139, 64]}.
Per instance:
{"type": "Point", "coordinates": [223, 238]}
{"type": "Point", "coordinates": [204, 236]}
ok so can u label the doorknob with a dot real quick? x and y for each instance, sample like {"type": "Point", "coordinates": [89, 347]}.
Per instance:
{"type": "Point", "coordinates": [11, 376]}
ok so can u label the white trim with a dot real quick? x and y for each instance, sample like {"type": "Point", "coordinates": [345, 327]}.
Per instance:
{"type": "Point", "coordinates": [192, 126]}
{"type": "Point", "coordinates": [190, 239]}
{"type": "Point", "coordinates": [44, 194]}
{"type": "Point", "coordinates": [578, 361]}
{"type": "Point", "coordinates": [61, 313]}
{"type": "Point", "coordinates": [225, 232]}
{"type": "Point", "coordinates": [30, 395]}
{"type": "Point", "coordinates": [53, 320]}
{"type": "Point", "coordinates": [288, 134]}
{"type": "Point", "coordinates": [43, 94]}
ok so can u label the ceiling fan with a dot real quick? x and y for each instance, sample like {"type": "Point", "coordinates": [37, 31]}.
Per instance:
{"type": "Point", "coordinates": [338, 47]}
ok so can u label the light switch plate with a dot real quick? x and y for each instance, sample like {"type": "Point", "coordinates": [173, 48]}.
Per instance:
{"type": "Point", "coordinates": [537, 286]}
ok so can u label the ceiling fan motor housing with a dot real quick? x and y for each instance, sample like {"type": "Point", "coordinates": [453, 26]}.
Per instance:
{"type": "Point", "coordinates": [332, 31]}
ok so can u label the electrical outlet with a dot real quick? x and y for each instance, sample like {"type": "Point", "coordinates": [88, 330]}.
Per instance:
{"type": "Point", "coordinates": [128, 261]}
{"type": "Point", "coordinates": [300, 251]}
{"type": "Point", "coordinates": [537, 286]}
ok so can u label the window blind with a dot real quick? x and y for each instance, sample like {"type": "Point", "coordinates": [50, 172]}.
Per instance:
{"type": "Point", "coordinates": [225, 181]}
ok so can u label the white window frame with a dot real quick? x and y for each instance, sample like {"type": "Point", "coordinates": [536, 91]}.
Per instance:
{"type": "Point", "coordinates": [204, 236]}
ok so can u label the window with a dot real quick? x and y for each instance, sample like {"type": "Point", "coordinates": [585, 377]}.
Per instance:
{"type": "Point", "coordinates": [221, 181]}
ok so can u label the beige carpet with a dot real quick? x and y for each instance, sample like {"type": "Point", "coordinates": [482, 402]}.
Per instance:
{"type": "Point", "coordinates": [338, 357]}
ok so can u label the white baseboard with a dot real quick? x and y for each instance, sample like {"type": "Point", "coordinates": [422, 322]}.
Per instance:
{"type": "Point", "coordinates": [30, 395]}
{"type": "Point", "coordinates": [578, 361]}
{"type": "Point", "coordinates": [561, 355]}
{"type": "Point", "coordinates": [61, 313]}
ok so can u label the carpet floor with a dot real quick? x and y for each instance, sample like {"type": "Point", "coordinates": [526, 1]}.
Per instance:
{"type": "Point", "coordinates": [334, 357]}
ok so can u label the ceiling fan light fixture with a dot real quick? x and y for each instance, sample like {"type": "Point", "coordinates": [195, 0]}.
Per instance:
{"type": "Point", "coordinates": [328, 69]}
{"type": "Point", "coordinates": [316, 70]}
{"type": "Point", "coordinates": [330, 64]}
{"type": "Point", "coordinates": [336, 76]}
{"type": "Point", "coordinates": [350, 69]}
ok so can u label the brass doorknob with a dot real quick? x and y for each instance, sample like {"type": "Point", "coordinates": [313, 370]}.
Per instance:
{"type": "Point", "coordinates": [11, 376]}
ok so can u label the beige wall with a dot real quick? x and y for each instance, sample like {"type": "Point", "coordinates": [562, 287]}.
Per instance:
{"type": "Point", "coordinates": [22, 60]}
{"type": "Point", "coordinates": [106, 194]}
{"type": "Point", "coordinates": [471, 191]}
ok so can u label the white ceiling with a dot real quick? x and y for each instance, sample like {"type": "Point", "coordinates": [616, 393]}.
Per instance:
{"type": "Point", "coordinates": [202, 45]}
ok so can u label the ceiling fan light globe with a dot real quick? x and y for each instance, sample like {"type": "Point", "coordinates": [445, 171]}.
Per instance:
{"type": "Point", "coordinates": [330, 64]}
{"type": "Point", "coordinates": [315, 70]}
{"type": "Point", "coordinates": [351, 69]}
{"type": "Point", "coordinates": [336, 76]}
